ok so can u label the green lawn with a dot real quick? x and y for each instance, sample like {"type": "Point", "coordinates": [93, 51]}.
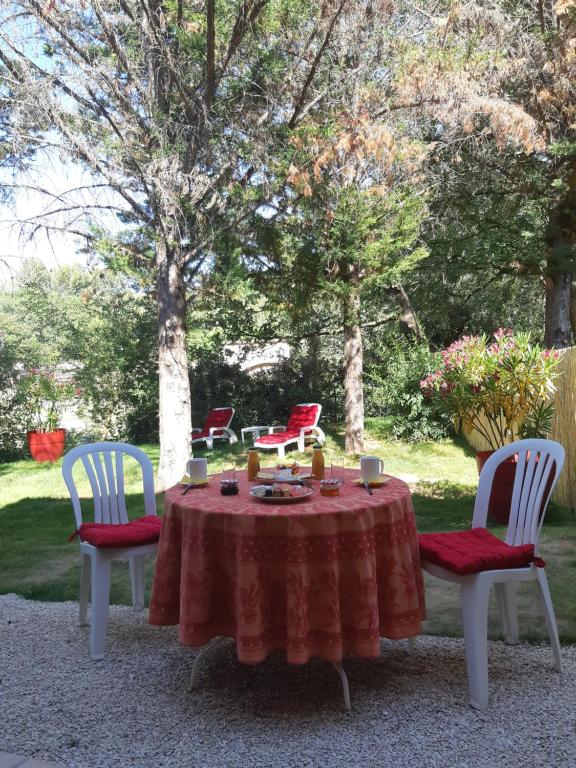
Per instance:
{"type": "Point", "coordinates": [38, 562]}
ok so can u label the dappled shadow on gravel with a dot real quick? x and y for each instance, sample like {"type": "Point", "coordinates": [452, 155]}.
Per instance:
{"type": "Point", "coordinates": [135, 708]}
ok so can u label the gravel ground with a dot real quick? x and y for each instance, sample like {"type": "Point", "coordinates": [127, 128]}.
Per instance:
{"type": "Point", "coordinates": [134, 708]}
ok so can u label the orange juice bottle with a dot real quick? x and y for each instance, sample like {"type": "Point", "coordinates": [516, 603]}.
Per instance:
{"type": "Point", "coordinates": [318, 462]}
{"type": "Point", "coordinates": [253, 466]}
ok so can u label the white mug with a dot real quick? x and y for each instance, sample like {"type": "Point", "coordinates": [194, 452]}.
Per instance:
{"type": "Point", "coordinates": [371, 467]}
{"type": "Point", "coordinates": [197, 470]}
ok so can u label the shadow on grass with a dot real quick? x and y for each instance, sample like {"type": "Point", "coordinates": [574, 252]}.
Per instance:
{"type": "Point", "coordinates": [38, 561]}
{"type": "Point", "coordinates": [443, 506]}
{"type": "Point", "coordinates": [462, 443]}
{"type": "Point", "coordinates": [450, 506]}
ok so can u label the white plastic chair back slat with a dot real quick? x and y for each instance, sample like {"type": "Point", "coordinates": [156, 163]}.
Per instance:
{"type": "Point", "coordinates": [108, 485]}
{"type": "Point", "coordinates": [104, 496]}
{"type": "Point", "coordinates": [533, 486]}
{"type": "Point", "coordinates": [121, 498]}
{"type": "Point", "coordinates": [112, 490]}
{"type": "Point", "coordinates": [88, 466]}
{"type": "Point", "coordinates": [527, 526]}
{"type": "Point", "coordinates": [523, 479]}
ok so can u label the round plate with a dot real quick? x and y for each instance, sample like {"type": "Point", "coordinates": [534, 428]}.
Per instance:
{"type": "Point", "coordinates": [196, 483]}
{"type": "Point", "coordinates": [376, 483]}
{"type": "Point", "coordinates": [280, 499]}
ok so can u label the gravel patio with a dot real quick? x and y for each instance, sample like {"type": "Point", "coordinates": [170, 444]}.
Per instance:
{"type": "Point", "coordinates": [135, 709]}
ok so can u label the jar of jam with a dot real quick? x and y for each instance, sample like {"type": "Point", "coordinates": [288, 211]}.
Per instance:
{"type": "Point", "coordinates": [253, 465]}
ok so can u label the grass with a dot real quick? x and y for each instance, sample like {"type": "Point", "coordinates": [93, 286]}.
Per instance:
{"type": "Point", "coordinates": [38, 562]}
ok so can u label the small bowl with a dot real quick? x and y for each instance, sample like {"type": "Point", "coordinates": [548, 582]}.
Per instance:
{"type": "Point", "coordinates": [330, 487]}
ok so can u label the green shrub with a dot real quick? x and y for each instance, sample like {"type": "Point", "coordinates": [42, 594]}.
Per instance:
{"type": "Point", "coordinates": [310, 374]}
{"type": "Point", "coordinates": [392, 388]}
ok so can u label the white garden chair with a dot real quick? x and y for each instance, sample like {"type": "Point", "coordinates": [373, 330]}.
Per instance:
{"type": "Point", "coordinates": [112, 537]}
{"type": "Point", "coordinates": [302, 424]}
{"type": "Point", "coordinates": [539, 463]}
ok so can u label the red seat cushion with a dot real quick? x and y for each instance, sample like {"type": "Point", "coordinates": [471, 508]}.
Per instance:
{"type": "Point", "coordinates": [472, 551]}
{"type": "Point", "coordinates": [219, 417]}
{"type": "Point", "coordinates": [143, 530]}
{"type": "Point", "coordinates": [301, 416]}
{"type": "Point", "coordinates": [278, 438]}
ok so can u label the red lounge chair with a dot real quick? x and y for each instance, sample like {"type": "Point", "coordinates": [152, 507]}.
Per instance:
{"type": "Point", "coordinates": [216, 427]}
{"type": "Point", "coordinates": [303, 423]}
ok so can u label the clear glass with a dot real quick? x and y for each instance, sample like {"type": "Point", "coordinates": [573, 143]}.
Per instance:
{"type": "Point", "coordinates": [337, 466]}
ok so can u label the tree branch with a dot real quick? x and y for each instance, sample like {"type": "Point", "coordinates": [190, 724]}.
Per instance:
{"type": "Point", "coordinates": [210, 46]}
{"type": "Point", "coordinates": [314, 66]}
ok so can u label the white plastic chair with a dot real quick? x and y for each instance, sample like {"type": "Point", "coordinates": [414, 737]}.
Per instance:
{"type": "Point", "coordinates": [104, 465]}
{"type": "Point", "coordinates": [536, 461]}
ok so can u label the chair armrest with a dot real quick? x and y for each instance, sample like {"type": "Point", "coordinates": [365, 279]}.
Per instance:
{"type": "Point", "coordinates": [319, 433]}
{"type": "Point", "coordinates": [279, 427]}
{"type": "Point", "coordinates": [225, 430]}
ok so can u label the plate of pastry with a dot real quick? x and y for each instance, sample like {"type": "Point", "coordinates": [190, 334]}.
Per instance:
{"type": "Point", "coordinates": [281, 493]}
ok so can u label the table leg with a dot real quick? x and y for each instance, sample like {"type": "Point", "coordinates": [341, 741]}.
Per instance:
{"type": "Point", "coordinates": [345, 688]}
{"type": "Point", "coordinates": [203, 651]}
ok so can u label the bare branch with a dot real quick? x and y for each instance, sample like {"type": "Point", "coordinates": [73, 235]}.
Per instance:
{"type": "Point", "coordinates": [298, 107]}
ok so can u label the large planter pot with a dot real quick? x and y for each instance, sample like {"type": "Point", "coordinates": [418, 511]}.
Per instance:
{"type": "Point", "coordinates": [503, 485]}
{"type": "Point", "coordinates": [47, 446]}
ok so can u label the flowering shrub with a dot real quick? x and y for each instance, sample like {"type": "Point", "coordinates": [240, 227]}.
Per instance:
{"type": "Point", "coordinates": [497, 388]}
{"type": "Point", "coordinates": [44, 398]}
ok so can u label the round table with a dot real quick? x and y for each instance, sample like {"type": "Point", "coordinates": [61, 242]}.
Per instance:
{"type": "Point", "coordinates": [321, 577]}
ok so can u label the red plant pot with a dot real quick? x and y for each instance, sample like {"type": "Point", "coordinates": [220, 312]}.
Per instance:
{"type": "Point", "coordinates": [47, 446]}
{"type": "Point", "coordinates": [503, 486]}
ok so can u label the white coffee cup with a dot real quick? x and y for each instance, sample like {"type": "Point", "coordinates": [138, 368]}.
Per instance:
{"type": "Point", "coordinates": [197, 470]}
{"type": "Point", "coordinates": [371, 468]}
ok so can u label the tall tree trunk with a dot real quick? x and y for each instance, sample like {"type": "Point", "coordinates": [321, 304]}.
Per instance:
{"type": "Point", "coordinates": [573, 308]}
{"type": "Point", "coordinates": [557, 326]}
{"type": "Point", "coordinates": [407, 316]}
{"type": "Point", "coordinates": [353, 371]}
{"type": "Point", "coordinates": [174, 383]}
{"type": "Point", "coordinates": [561, 240]}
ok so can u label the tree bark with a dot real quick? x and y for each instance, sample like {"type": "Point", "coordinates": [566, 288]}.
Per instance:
{"type": "Point", "coordinates": [557, 327]}
{"type": "Point", "coordinates": [174, 383]}
{"type": "Point", "coordinates": [407, 316]}
{"type": "Point", "coordinates": [353, 371]}
{"type": "Point", "coordinates": [561, 241]}
{"type": "Point", "coordinates": [573, 307]}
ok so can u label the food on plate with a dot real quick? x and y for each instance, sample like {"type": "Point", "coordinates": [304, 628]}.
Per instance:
{"type": "Point", "coordinates": [299, 490]}
{"type": "Point", "coordinates": [294, 467]}
{"type": "Point", "coordinates": [281, 489]}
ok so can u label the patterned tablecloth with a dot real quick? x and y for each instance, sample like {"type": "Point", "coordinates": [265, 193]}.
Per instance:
{"type": "Point", "coordinates": [324, 577]}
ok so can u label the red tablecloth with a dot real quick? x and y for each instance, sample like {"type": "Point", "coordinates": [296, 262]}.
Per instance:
{"type": "Point", "coordinates": [323, 577]}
